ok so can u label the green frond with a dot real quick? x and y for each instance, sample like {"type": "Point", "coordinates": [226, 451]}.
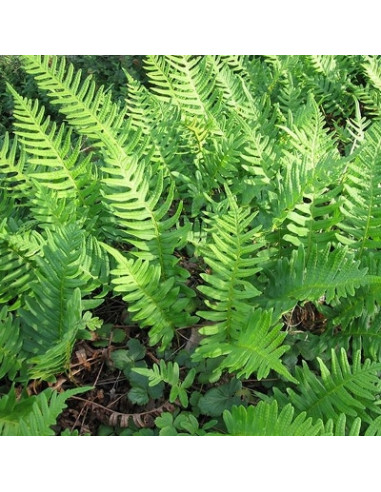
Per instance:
{"type": "Point", "coordinates": [361, 206]}
{"type": "Point", "coordinates": [14, 182]}
{"type": "Point", "coordinates": [351, 388]}
{"type": "Point", "coordinates": [52, 315]}
{"type": "Point", "coordinates": [361, 332]}
{"type": "Point", "coordinates": [33, 415]}
{"type": "Point", "coordinates": [184, 80]}
{"type": "Point", "coordinates": [372, 68]}
{"type": "Point", "coordinates": [256, 348]}
{"type": "Point", "coordinates": [141, 217]}
{"type": "Point", "coordinates": [265, 419]}
{"type": "Point", "coordinates": [341, 312]}
{"type": "Point", "coordinates": [90, 112]}
{"type": "Point", "coordinates": [230, 253]}
{"type": "Point", "coordinates": [157, 304]}
{"type": "Point", "coordinates": [18, 250]}
{"type": "Point", "coordinates": [232, 86]}
{"type": "Point", "coordinates": [305, 277]}
{"type": "Point", "coordinates": [10, 345]}
{"type": "Point", "coordinates": [53, 159]}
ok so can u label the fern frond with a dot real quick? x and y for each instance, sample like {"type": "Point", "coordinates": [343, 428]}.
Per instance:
{"type": "Point", "coordinates": [53, 160]}
{"type": "Point", "coordinates": [256, 348]}
{"type": "Point", "coordinates": [52, 317]}
{"type": "Point", "coordinates": [18, 249]}
{"type": "Point", "coordinates": [349, 388]}
{"type": "Point", "coordinates": [13, 179]}
{"type": "Point", "coordinates": [361, 332]}
{"type": "Point", "coordinates": [304, 277]}
{"type": "Point", "coordinates": [184, 80]}
{"type": "Point", "coordinates": [33, 415]}
{"type": "Point", "coordinates": [230, 254]}
{"type": "Point", "coordinates": [10, 345]}
{"type": "Point", "coordinates": [154, 303]}
{"type": "Point", "coordinates": [91, 112]}
{"type": "Point", "coordinates": [265, 419]}
{"type": "Point", "coordinates": [372, 68]}
{"type": "Point", "coordinates": [361, 207]}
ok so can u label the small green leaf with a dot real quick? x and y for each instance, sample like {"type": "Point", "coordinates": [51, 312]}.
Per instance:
{"type": "Point", "coordinates": [121, 359]}
{"type": "Point", "coordinates": [188, 381]}
{"type": "Point", "coordinates": [216, 400]}
{"type": "Point", "coordinates": [183, 397]}
{"type": "Point", "coordinates": [173, 393]}
{"type": "Point", "coordinates": [164, 420]}
{"type": "Point", "coordinates": [118, 335]}
{"type": "Point", "coordinates": [138, 396]}
{"type": "Point", "coordinates": [135, 349]}
{"type": "Point", "coordinates": [188, 422]}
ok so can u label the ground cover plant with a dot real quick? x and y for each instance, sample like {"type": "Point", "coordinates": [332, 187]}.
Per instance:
{"type": "Point", "coordinates": [197, 253]}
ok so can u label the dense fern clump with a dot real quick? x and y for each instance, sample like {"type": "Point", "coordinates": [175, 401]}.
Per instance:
{"type": "Point", "coordinates": [231, 205]}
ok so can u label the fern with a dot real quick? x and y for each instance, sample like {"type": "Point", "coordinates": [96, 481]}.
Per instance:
{"type": "Point", "coordinates": [330, 274]}
{"type": "Point", "coordinates": [361, 205]}
{"type": "Point", "coordinates": [52, 316]}
{"type": "Point", "coordinates": [352, 389]}
{"type": "Point", "coordinates": [33, 415]}
{"type": "Point", "coordinates": [265, 420]}
{"type": "Point", "coordinates": [154, 304]}
{"type": "Point", "coordinates": [229, 199]}
{"type": "Point", "coordinates": [230, 257]}
{"type": "Point", "coordinates": [10, 345]}
{"type": "Point", "coordinates": [257, 348]}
